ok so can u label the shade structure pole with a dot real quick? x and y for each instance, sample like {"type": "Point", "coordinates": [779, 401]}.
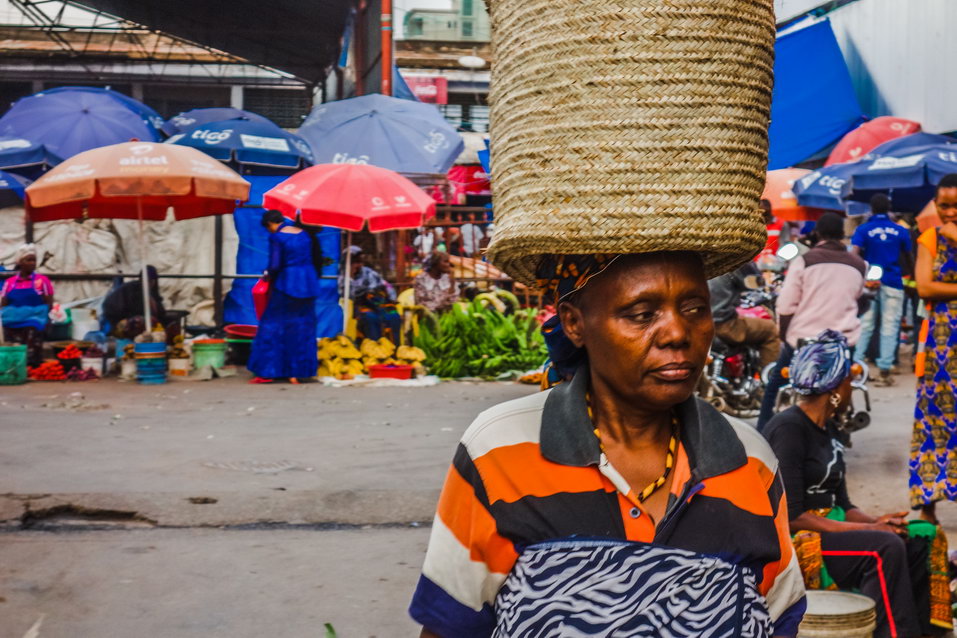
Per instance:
{"type": "Point", "coordinates": [218, 272]}
{"type": "Point", "coordinates": [347, 283]}
{"type": "Point", "coordinates": [144, 281]}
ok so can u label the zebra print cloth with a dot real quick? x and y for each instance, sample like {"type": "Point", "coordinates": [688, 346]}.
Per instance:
{"type": "Point", "coordinates": [598, 588]}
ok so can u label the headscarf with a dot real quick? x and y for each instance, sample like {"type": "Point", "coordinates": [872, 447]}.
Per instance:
{"type": "Point", "coordinates": [559, 276]}
{"type": "Point", "coordinates": [822, 365]}
{"type": "Point", "coordinates": [23, 251]}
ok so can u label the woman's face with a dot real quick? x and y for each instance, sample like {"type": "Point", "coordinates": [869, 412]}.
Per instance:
{"type": "Point", "coordinates": [946, 202]}
{"type": "Point", "coordinates": [646, 324]}
{"type": "Point", "coordinates": [844, 391]}
{"type": "Point", "coordinates": [443, 264]}
{"type": "Point", "coordinates": [28, 264]}
{"type": "Point", "coordinates": [273, 226]}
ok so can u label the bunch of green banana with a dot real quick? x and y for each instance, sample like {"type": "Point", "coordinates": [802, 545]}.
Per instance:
{"type": "Point", "coordinates": [478, 339]}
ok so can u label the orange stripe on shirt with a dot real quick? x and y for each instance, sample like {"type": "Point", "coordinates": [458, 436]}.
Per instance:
{"type": "Point", "coordinates": [513, 472]}
{"type": "Point", "coordinates": [473, 526]}
{"type": "Point", "coordinates": [782, 525]}
{"type": "Point", "coordinates": [738, 487]}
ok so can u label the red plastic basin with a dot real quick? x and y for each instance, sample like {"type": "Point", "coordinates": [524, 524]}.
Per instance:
{"type": "Point", "coordinates": [391, 372]}
{"type": "Point", "coordinates": [242, 331]}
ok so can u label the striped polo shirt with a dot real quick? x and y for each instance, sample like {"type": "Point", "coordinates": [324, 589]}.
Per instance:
{"type": "Point", "coordinates": [532, 470]}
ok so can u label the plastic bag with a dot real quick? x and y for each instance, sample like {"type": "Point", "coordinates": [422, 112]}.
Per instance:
{"type": "Point", "coordinates": [58, 314]}
{"type": "Point", "coordinates": [261, 292]}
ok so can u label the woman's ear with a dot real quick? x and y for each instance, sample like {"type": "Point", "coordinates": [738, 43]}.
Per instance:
{"type": "Point", "coordinates": [573, 323]}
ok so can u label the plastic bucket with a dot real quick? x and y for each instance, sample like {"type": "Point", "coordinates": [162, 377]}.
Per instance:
{"type": "Point", "coordinates": [209, 352]}
{"type": "Point", "coordinates": [92, 363]}
{"type": "Point", "coordinates": [13, 364]}
{"type": "Point", "coordinates": [838, 614]}
{"type": "Point", "coordinates": [179, 367]}
{"type": "Point", "coordinates": [150, 363]}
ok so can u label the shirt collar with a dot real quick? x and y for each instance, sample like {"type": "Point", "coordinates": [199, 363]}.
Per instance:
{"type": "Point", "coordinates": [567, 434]}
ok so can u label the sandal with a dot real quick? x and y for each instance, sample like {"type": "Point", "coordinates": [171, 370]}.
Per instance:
{"type": "Point", "coordinates": [261, 380]}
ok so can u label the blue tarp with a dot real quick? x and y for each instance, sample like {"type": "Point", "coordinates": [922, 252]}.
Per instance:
{"type": "Point", "coordinates": [814, 104]}
{"type": "Point", "coordinates": [253, 256]}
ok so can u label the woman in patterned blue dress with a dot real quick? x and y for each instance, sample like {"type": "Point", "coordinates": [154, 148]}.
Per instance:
{"type": "Point", "coordinates": [933, 461]}
{"type": "Point", "coordinates": [285, 345]}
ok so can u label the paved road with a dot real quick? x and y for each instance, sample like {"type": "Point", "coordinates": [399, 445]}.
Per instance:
{"type": "Point", "coordinates": [222, 509]}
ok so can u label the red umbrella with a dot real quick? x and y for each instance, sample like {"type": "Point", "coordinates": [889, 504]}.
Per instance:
{"type": "Point", "coordinates": [349, 196]}
{"type": "Point", "coordinates": [868, 136]}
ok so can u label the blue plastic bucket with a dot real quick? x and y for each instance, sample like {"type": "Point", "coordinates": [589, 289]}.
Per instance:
{"type": "Point", "coordinates": [150, 363]}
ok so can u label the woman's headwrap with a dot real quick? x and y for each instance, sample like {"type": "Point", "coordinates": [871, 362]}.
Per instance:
{"type": "Point", "coordinates": [23, 251]}
{"type": "Point", "coordinates": [559, 276]}
{"type": "Point", "coordinates": [822, 365]}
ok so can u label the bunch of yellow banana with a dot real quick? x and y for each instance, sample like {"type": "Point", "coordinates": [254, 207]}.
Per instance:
{"type": "Point", "coordinates": [339, 358]}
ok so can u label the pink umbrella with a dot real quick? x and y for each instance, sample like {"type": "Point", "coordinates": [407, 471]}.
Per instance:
{"type": "Point", "coordinates": [868, 136]}
{"type": "Point", "coordinates": [349, 196]}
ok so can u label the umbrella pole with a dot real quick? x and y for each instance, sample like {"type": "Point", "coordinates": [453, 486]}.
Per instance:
{"type": "Point", "coordinates": [145, 282]}
{"type": "Point", "coordinates": [347, 283]}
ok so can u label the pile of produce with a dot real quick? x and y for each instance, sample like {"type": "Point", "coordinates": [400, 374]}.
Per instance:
{"type": "Point", "coordinates": [340, 358]}
{"type": "Point", "coordinates": [479, 340]}
{"type": "Point", "coordinates": [178, 351]}
{"type": "Point", "coordinates": [94, 352]}
{"type": "Point", "coordinates": [70, 352]}
{"type": "Point", "coordinates": [79, 374]}
{"type": "Point", "coordinates": [47, 371]}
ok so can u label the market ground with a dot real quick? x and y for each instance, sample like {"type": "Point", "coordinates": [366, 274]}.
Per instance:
{"type": "Point", "coordinates": [222, 509]}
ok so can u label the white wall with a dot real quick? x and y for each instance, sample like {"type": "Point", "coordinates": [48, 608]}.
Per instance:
{"type": "Point", "coordinates": [901, 55]}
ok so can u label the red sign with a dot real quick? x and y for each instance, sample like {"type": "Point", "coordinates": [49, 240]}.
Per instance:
{"type": "Point", "coordinates": [429, 88]}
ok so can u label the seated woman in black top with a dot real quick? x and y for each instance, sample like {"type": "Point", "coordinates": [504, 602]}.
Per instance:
{"type": "Point", "coordinates": [837, 544]}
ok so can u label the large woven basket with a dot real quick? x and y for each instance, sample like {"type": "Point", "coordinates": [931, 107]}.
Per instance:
{"type": "Point", "coordinates": [629, 126]}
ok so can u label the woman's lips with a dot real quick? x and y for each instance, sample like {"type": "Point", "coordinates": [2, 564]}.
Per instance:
{"type": "Point", "coordinates": [674, 372]}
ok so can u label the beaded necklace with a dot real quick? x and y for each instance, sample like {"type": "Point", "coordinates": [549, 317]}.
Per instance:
{"type": "Point", "coordinates": [655, 485]}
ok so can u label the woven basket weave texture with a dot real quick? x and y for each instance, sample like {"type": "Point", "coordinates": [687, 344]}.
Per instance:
{"type": "Point", "coordinates": [629, 126]}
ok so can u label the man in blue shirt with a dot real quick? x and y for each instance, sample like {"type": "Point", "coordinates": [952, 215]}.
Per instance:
{"type": "Point", "coordinates": [881, 242]}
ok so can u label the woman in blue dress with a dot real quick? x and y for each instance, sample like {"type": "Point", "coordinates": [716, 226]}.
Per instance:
{"type": "Point", "coordinates": [285, 345]}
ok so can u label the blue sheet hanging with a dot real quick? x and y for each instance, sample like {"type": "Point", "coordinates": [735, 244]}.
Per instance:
{"type": "Point", "coordinates": [814, 104]}
{"type": "Point", "coordinates": [253, 255]}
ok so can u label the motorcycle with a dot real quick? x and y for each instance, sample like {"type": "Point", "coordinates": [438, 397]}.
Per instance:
{"type": "Point", "coordinates": [732, 380]}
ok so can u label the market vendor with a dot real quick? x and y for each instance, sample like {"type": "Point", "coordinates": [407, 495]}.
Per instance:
{"type": "Point", "coordinates": [123, 308]}
{"type": "Point", "coordinates": [374, 300]}
{"type": "Point", "coordinates": [435, 287]}
{"type": "Point", "coordinates": [25, 299]}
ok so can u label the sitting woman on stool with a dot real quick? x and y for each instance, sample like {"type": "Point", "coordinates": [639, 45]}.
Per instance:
{"type": "Point", "coordinates": [26, 299]}
{"type": "Point", "coordinates": [902, 566]}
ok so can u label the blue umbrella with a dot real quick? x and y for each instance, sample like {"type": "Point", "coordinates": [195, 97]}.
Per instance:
{"type": "Point", "coordinates": [70, 122]}
{"type": "Point", "coordinates": [255, 142]}
{"type": "Point", "coordinates": [188, 119]}
{"type": "Point", "coordinates": [400, 135]}
{"type": "Point", "coordinates": [826, 187]}
{"type": "Point", "coordinates": [25, 157]}
{"type": "Point", "coordinates": [150, 116]}
{"type": "Point", "coordinates": [841, 187]}
{"type": "Point", "coordinates": [908, 176]}
{"type": "Point", "coordinates": [11, 189]}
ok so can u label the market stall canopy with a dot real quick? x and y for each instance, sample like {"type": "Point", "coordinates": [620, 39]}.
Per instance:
{"type": "Point", "coordinates": [111, 182]}
{"type": "Point", "coordinates": [399, 135]}
{"type": "Point", "coordinates": [869, 136]}
{"type": "Point", "coordinates": [244, 141]}
{"type": "Point", "coordinates": [910, 177]}
{"type": "Point", "coordinates": [814, 104]}
{"type": "Point", "coordinates": [194, 117]}
{"type": "Point", "coordinates": [70, 122]}
{"type": "Point", "coordinates": [349, 196]}
{"type": "Point", "coordinates": [300, 37]}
